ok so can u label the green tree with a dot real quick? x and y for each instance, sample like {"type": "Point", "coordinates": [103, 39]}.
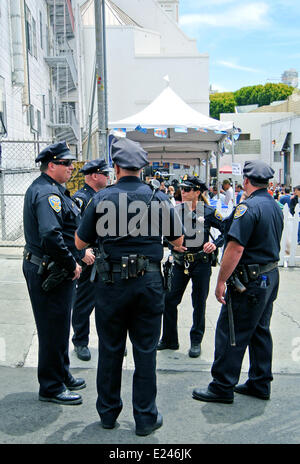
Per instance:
{"type": "Point", "coordinates": [256, 94]}
{"type": "Point", "coordinates": [221, 103]}
{"type": "Point", "coordinates": [262, 94]}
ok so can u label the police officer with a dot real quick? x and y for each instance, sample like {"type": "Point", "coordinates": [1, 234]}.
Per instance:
{"type": "Point", "coordinates": [250, 262]}
{"type": "Point", "coordinates": [50, 221]}
{"type": "Point", "coordinates": [129, 291]}
{"type": "Point", "coordinates": [193, 263]}
{"type": "Point", "coordinates": [96, 174]}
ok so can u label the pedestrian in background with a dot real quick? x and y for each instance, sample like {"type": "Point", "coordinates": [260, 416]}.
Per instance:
{"type": "Point", "coordinates": [228, 190]}
{"type": "Point", "coordinates": [294, 201]}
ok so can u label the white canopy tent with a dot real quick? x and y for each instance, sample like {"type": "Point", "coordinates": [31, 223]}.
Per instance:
{"type": "Point", "coordinates": [168, 111]}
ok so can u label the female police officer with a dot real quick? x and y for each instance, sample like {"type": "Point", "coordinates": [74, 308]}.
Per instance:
{"type": "Point", "coordinates": [194, 263]}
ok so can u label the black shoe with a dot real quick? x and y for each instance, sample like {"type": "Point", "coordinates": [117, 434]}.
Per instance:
{"type": "Point", "coordinates": [108, 426]}
{"type": "Point", "coordinates": [66, 397]}
{"type": "Point", "coordinates": [195, 350]}
{"type": "Point", "coordinates": [75, 384]}
{"type": "Point", "coordinates": [167, 346]}
{"type": "Point", "coordinates": [244, 389]}
{"type": "Point", "coordinates": [142, 432]}
{"type": "Point", "coordinates": [83, 353]}
{"type": "Point", "coordinates": [210, 397]}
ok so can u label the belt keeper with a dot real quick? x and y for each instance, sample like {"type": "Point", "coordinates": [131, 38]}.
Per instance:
{"type": "Point", "coordinates": [124, 267]}
{"type": "Point", "coordinates": [132, 266]}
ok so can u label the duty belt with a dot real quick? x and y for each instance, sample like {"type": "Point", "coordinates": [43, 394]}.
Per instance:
{"type": "Point", "coordinates": [181, 258]}
{"type": "Point", "coordinates": [185, 259]}
{"type": "Point", "coordinates": [250, 272]}
{"type": "Point", "coordinates": [123, 269]}
{"type": "Point", "coordinates": [28, 256]}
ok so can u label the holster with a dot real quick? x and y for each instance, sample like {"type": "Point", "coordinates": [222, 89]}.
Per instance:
{"type": "Point", "coordinates": [103, 269]}
{"type": "Point", "coordinates": [167, 273]}
{"type": "Point", "coordinates": [43, 265]}
{"type": "Point", "coordinates": [56, 275]}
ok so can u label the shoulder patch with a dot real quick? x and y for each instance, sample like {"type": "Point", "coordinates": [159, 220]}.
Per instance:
{"type": "Point", "coordinates": [240, 211]}
{"type": "Point", "coordinates": [218, 215]}
{"type": "Point", "coordinates": [79, 202]}
{"type": "Point", "coordinates": [55, 203]}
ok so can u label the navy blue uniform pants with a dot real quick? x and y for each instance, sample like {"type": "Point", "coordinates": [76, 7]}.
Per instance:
{"type": "Point", "coordinates": [83, 306]}
{"type": "Point", "coordinates": [134, 306]}
{"type": "Point", "coordinates": [252, 311]}
{"type": "Point", "coordinates": [52, 314]}
{"type": "Point", "coordinates": [199, 273]}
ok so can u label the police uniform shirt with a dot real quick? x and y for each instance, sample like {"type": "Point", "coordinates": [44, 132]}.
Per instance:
{"type": "Point", "coordinates": [212, 218]}
{"type": "Point", "coordinates": [51, 218]}
{"type": "Point", "coordinates": [150, 245]}
{"type": "Point", "coordinates": [257, 225]}
{"type": "Point", "coordinates": [83, 196]}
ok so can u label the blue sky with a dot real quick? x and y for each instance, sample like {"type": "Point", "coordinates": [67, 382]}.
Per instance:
{"type": "Point", "coordinates": [249, 42]}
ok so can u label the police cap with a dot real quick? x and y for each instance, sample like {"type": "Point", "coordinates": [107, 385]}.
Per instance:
{"type": "Point", "coordinates": [195, 183]}
{"type": "Point", "coordinates": [258, 170]}
{"type": "Point", "coordinates": [128, 154]}
{"type": "Point", "coordinates": [97, 166]}
{"type": "Point", "coordinates": [56, 151]}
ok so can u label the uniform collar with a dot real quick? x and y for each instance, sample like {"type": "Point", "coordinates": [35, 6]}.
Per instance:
{"type": "Point", "coordinates": [54, 182]}
{"type": "Point", "coordinates": [259, 192]}
{"type": "Point", "coordinates": [132, 179]}
{"type": "Point", "coordinates": [88, 187]}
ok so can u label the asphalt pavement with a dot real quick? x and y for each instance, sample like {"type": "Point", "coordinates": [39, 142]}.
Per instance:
{"type": "Point", "coordinates": [25, 420]}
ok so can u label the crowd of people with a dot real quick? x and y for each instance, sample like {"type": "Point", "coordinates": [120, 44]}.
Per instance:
{"type": "Point", "coordinates": [89, 251]}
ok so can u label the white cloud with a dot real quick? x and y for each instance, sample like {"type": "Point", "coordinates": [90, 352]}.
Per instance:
{"type": "Point", "coordinates": [249, 16]}
{"type": "Point", "coordinates": [229, 64]}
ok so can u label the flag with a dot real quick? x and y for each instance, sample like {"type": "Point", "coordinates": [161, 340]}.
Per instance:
{"type": "Point", "coordinates": [181, 129]}
{"type": "Point", "coordinates": [163, 133]}
{"type": "Point", "coordinates": [141, 129]}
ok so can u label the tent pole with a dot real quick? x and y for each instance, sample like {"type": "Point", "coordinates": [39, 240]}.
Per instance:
{"type": "Point", "coordinates": [207, 169]}
{"type": "Point", "coordinates": [218, 168]}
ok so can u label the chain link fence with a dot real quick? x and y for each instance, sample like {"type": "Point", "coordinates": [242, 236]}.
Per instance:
{"type": "Point", "coordinates": [17, 172]}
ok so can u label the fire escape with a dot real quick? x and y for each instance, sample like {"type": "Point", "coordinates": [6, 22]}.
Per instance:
{"type": "Point", "coordinates": [60, 59]}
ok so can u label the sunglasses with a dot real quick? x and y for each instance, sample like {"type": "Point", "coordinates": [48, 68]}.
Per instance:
{"type": "Point", "coordinates": [187, 189]}
{"type": "Point", "coordinates": [106, 174]}
{"type": "Point", "coordinates": [63, 162]}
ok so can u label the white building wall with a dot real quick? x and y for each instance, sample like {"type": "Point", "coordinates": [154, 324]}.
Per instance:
{"type": "Point", "coordinates": [272, 131]}
{"type": "Point", "coordinates": [250, 123]}
{"type": "Point", "coordinates": [138, 59]}
{"type": "Point", "coordinates": [17, 121]}
{"type": "Point", "coordinates": [149, 14]}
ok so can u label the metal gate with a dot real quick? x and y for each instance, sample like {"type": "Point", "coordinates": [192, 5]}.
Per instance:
{"type": "Point", "coordinates": [17, 171]}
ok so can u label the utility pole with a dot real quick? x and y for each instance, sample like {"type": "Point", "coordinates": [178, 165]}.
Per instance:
{"type": "Point", "coordinates": [101, 78]}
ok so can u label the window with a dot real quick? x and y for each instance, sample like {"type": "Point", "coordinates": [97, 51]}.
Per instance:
{"type": "Point", "coordinates": [3, 116]}
{"type": "Point", "coordinates": [41, 30]}
{"type": "Point", "coordinates": [39, 122]}
{"type": "Point", "coordinates": [44, 106]}
{"type": "Point", "coordinates": [297, 152]}
{"type": "Point", "coordinates": [244, 137]}
{"type": "Point", "coordinates": [34, 42]}
{"type": "Point", "coordinates": [277, 157]}
{"type": "Point", "coordinates": [28, 29]}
